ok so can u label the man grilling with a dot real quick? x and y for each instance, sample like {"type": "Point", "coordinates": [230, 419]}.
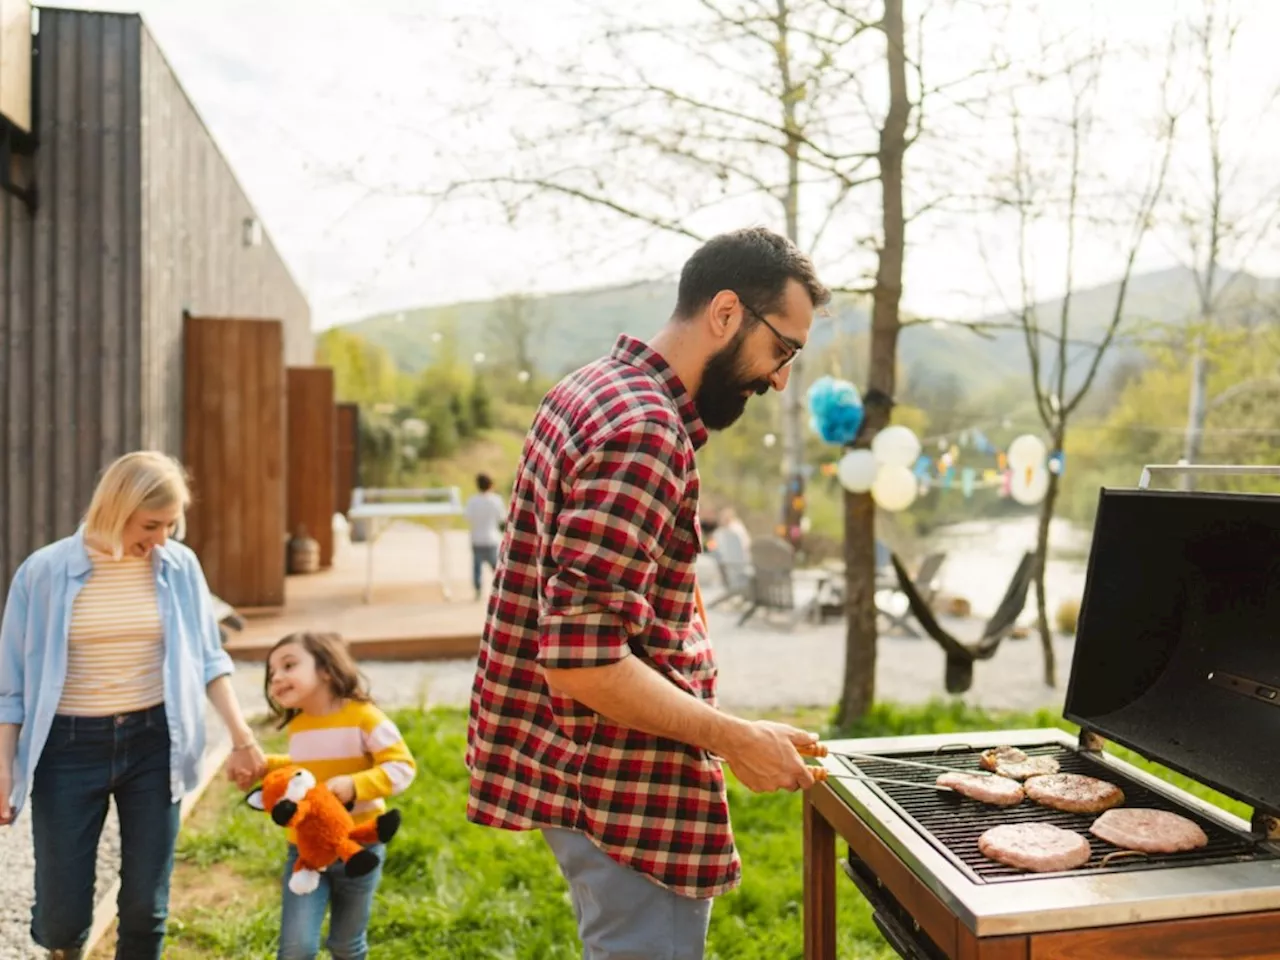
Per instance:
{"type": "Point", "coordinates": [593, 714]}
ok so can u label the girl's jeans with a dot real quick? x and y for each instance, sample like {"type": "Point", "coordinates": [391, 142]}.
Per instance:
{"type": "Point", "coordinates": [349, 901]}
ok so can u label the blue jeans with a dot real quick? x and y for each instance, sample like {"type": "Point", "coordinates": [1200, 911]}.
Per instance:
{"type": "Point", "coordinates": [623, 915]}
{"type": "Point", "coordinates": [479, 557]}
{"type": "Point", "coordinates": [349, 900]}
{"type": "Point", "coordinates": [86, 761]}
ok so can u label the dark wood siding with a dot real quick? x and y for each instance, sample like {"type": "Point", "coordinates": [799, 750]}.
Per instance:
{"type": "Point", "coordinates": [234, 412]}
{"type": "Point", "coordinates": [193, 236]}
{"type": "Point", "coordinates": [140, 217]}
{"type": "Point", "coordinates": [70, 274]}
{"type": "Point", "coordinates": [312, 436]}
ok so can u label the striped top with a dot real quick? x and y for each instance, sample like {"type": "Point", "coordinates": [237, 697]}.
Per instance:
{"type": "Point", "coordinates": [115, 656]}
{"type": "Point", "coordinates": [357, 740]}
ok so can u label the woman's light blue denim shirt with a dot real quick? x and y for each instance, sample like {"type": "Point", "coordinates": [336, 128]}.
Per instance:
{"type": "Point", "coordinates": [33, 652]}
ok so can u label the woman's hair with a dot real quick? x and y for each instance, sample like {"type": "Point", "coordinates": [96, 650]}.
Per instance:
{"type": "Point", "coordinates": [143, 480]}
{"type": "Point", "coordinates": [333, 659]}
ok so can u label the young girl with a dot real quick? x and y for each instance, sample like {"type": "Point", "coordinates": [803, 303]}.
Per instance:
{"type": "Point", "coordinates": [335, 731]}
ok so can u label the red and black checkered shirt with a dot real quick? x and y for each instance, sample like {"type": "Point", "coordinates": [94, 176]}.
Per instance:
{"type": "Point", "coordinates": [598, 564]}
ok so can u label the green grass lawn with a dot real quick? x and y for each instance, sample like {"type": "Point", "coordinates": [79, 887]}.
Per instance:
{"type": "Point", "coordinates": [453, 890]}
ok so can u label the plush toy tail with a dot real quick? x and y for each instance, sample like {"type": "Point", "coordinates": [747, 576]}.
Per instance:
{"type": "Point", "coordinates": [305, 879]}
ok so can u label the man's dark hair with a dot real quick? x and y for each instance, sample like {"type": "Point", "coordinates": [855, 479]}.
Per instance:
{"type": "Point", "coordinates": [483, 482]}
{"type": "Point", "coordinates": [755, 263]}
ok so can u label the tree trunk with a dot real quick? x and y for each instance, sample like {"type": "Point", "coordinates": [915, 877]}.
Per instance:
{"type": "Point", "coordinates": [1039, 568]}
{"type": "Point", "coordinates": [858, 691]}
{"type": "Point", "coordinates": [793, 415]}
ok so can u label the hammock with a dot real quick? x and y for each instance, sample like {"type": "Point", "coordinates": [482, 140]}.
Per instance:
{"type": "Point", "coordinates": [960, 655]}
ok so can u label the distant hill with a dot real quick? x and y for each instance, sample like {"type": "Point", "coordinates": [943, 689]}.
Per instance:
{"type": "Point", "coordinates": [578, 326]}
{"type": "Point", "coordinates": [1162, 298]}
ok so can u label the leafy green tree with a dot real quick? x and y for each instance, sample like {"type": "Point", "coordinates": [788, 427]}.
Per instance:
{"type": "Point", "coordinates": [363, 373]}
{"type": "Point", "coordinates": [481, 405]}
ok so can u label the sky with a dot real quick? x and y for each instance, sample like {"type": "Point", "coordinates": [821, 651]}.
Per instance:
{"type": "Point", "coordinates": [319, 106]}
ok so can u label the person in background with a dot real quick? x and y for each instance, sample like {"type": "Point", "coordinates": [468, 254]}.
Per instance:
{"type": "Point", "coordinates": [485, 514]}
{"type": "Point", "coordinates": [729, 520]}
{"type": "Point", "coordinates": [108, 647]}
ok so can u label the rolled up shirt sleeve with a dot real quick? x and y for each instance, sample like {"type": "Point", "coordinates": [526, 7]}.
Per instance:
{"type": "Point", "coordinates": [13, 649]}
{"type": "Point", "coordinates": [619, 510]}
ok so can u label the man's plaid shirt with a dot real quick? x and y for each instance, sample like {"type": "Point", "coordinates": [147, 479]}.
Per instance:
{"type": "Point", "coordinates": [598, 564]}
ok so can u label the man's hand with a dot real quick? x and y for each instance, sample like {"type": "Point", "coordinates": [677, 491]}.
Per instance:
{"type": "Point", "coordinates": [762, 754]}
{"type": "Point", "coordinates": [344, 788]}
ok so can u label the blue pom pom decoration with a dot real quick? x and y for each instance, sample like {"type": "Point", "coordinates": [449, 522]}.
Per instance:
{"type": "Point", "coordinates": [835, 410]}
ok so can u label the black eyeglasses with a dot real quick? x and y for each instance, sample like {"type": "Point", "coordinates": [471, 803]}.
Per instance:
{"type": "Point", "coordinates": [791, 347]}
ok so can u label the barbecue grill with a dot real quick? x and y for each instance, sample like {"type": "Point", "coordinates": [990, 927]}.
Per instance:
{"type": "Point", "coordinates": [1177, 658]}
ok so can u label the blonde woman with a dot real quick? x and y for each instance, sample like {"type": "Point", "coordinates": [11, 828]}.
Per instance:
{"type": "Point", "coordinates": [108, 649]}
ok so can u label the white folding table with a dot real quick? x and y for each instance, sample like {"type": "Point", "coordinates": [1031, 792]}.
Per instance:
{"type": "Point", "coordinates": [432, 503]}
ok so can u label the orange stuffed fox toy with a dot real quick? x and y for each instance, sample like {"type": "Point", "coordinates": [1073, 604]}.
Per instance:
{"type": "Point", "coordinates": [324, 830]}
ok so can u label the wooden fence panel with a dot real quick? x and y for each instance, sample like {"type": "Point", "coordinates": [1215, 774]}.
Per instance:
{"type": "Point", "coordinates": [234, 450]}
{"type": "Point", "coordinates": [347, 476]}
{"type": "Point", "coordinates": [312, 441]}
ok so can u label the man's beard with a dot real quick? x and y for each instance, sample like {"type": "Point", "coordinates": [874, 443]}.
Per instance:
{"type": "Point", "coordinates": [721, 398]}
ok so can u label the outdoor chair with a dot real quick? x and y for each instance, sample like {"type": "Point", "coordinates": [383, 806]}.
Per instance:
{"type": "Point", "coordinates": [730, 556]}
{"type": "Point", "coordinates": [961, 655]}
{"type": "Point", "coordinates": [926, 584]}
{"type": "Point", "coordinates": [772, 582]}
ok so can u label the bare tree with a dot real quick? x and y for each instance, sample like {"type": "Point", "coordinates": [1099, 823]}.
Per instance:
{"type": "Point", "coordinates": [1220, 224]}
{"type": "Point", "coordinates": [1053, 182]}
{"type": "Point", "coordinates": [746, 109]}
{"type": "Point", "coordinates": [858, 688]}
{"type": "Point", "coordinates": [511, 332]}
{"type": "Point", "coordinates": [752, 118]}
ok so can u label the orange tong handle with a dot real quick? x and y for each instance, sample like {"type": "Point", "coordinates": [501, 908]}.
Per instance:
{"type": "Point", "coordinates": [811, 750]}
{"type": "Point", "coordinates": [819, 774]}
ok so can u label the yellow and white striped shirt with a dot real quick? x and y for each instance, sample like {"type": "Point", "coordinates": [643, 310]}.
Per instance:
{"type": "Point", "coordinates": [115, 661]}
{"type": "Point", "coordinates": [358, 740]}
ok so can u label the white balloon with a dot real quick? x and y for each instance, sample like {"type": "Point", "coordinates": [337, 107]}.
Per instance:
{"type": "Point", "coordinates": [1029, 484]}
{"type": "Point", "coordinates": [895, 488]}
{"type": "Point", "coordinates": [857, 470]}
{"type": "Point", "coordinates": [1027, 450]}
{"type": "Point", "coordinates": [896, 446]}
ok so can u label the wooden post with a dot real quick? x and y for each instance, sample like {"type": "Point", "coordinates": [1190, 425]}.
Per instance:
{"type": "Point", "coordinates": [819, 883]}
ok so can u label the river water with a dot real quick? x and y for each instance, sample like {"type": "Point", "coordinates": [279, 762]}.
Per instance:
{"type": "Point", "coordinates": [982, 556]}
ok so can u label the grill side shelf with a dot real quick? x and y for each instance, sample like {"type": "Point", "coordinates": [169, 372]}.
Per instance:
{"type": "Point", "coordinates": [953, 825]}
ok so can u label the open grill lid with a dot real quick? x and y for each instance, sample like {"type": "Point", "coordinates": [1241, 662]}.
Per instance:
{"type": "Point", "coordinates": [1178, 642]}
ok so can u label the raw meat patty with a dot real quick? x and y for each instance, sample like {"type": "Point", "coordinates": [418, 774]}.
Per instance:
{"type": "Point", "coordinates": [1040, 847]}
{"type": "Point", "coordinates": [998, 791]}
{"type": "Point", "coordinates": [1151, 831]}
{"type": "Point", "coordinates": [1013, 763]}
{"type": "Point", "coordinates": [1074, 793]}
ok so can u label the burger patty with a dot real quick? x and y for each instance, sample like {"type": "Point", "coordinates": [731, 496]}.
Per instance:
{"type": "Point", "coordinates": [1015, 764]}
{"type": "Point", "coordinates": [1074, 793]}
{"type": "Point", "coordinates": [1150, 831]}
{"type": "Point", "coordinates": [997, 791]}
{"type": "Point", "coordinates": [1039, 847]}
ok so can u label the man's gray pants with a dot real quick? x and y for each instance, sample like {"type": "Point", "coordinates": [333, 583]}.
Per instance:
{"type": "Point", "coordinates": [622, 915]}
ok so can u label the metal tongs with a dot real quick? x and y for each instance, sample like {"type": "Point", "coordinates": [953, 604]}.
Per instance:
{"type": "Point", "coordinates": [822, 773]}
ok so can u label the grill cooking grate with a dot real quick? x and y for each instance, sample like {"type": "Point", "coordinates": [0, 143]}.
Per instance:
{"type": "Point", "coordinates": [953, 824]}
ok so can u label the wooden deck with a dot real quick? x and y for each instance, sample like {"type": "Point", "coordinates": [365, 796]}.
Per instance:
{"type": "Point", "coordinates": [408, 617]}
